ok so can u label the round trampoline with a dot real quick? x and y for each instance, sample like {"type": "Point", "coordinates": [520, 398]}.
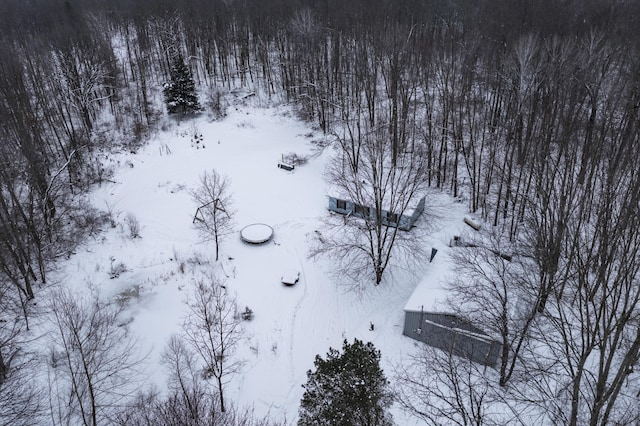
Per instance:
{"type": "Point", "coordinates": [256, 233]}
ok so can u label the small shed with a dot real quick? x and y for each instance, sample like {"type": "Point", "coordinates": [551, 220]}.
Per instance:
{"type": "Point", "coordinates": [403, 221]}
{"type": "Point", "coordinates": [452, 334]}
{"type": "Point", "coordinates": [425, 321]}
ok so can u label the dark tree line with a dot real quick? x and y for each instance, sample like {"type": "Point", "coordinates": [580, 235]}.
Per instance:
{"type": "Point", "coordinates": [527, 110]}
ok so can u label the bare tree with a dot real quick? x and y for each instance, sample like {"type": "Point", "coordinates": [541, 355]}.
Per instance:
{"type": "Point", "coordinates": [213, 329]}
{"type": "Point", "coordinates": [365, 241]}
{"type": "Point", "coordinates": [94, 363]}
{"type": "Point", "coordinates": [593, 333]}
{"type": "Point", "coordinates": [189, 400]}
{"type": "Point", "coordinates": [190, 397]}
{"type": "Point", "coordinates": [438, 387]}
{"type": "Point", "coordinates": [20, 401]}
{"type": "Point", "coordinates": [491, 289]}
{"type": "Point", "coordinates": [214, 216]}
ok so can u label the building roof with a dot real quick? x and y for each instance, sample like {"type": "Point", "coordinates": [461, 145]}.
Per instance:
{"type": "Point", "coordinates": [430, 294]}
{"type": "Point", "coordinates": [446, 221]}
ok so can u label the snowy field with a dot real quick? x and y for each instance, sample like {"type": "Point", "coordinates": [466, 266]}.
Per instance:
{"type": "Point", "coordinates": [292, 324]}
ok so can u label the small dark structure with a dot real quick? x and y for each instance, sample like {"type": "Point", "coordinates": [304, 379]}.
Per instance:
{"type": "Point", "coordinates": [453, 335]}
{"type": "Point", "coordinates": [290, 277]}
{"type": "Point", "coordinates": [472, 224]}
{"type": "Point", "coordinates": [456, 241]}
{"type": "Point", "coordinates": [247, 314]}
{"type": "Point", "coordinates": [285, 166]}
{"type": "Point", "coordinates": [288, 162]}
{"type": "Point", "coordinates": [403, 222]}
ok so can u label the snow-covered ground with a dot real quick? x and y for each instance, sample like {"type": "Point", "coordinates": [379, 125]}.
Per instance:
{"type": "Point", "coordinates": [292, 324]}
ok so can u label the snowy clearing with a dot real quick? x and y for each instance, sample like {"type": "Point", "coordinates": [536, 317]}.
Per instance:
{"type": "Point", "coordinates": [291, 325]}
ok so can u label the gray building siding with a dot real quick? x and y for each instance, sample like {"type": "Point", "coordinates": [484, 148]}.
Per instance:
{"type": "Point", "coordinates": [419, 209]}
{"type": "Point", "coordinates": [452, 335]}
{"type": "Point", "coordinates": [346, 207]}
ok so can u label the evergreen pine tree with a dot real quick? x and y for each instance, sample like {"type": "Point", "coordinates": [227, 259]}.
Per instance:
{"type": "Point", "coordinates": [180, 93]}
{"type": "Point", "coordinates": [346, 389]}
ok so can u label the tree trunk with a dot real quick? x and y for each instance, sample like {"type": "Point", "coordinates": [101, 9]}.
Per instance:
{"type": "Point", "coordinates": [220, 392]}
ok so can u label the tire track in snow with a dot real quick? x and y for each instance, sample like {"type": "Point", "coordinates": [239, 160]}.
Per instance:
{"type": "Point", "coordinates": [292, 382]}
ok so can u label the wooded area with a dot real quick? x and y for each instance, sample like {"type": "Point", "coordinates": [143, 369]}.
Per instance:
{"type": "Point", "coordinates": [526, 110]}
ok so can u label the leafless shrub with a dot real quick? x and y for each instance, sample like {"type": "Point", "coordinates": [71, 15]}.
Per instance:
{"type": "Point", "coordinates": [133, 225]}
{"type": "Point", "coordinates": [111, 214]}
{"type": "Point", "coordinates": [116, 268]}
{"type": "Point", "coordinates": [319, 145]}
{"type": "Point", "coordinates": [197, 259]}
{"type": "Point", "coordinates": [83, 219]}
{"type": "Point", "coordinates": [125, 297]}
{"type": "Point", "coordinates": [216, 104]}
{"type": "Point", "coordinates": [295, 159]}
{"type": "Point", "coordinates": [94, 171]}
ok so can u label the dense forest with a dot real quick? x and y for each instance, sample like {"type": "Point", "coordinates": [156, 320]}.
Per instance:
{"type": "Point", "coordinates": [526, 110]}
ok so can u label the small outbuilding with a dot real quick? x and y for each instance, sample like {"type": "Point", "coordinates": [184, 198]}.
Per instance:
{"type": "Point", "coordinates": [452, 334]}
{"type": "Point", "coordinates": [424, 321]}
{"type": "Point", "coordinates": [403, 221]}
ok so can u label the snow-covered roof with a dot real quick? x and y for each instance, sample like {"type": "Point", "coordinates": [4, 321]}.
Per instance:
{"type": "Point", "coordinates": [430, 293]}
{"type": "Point", "coordinates": [446, 221]}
